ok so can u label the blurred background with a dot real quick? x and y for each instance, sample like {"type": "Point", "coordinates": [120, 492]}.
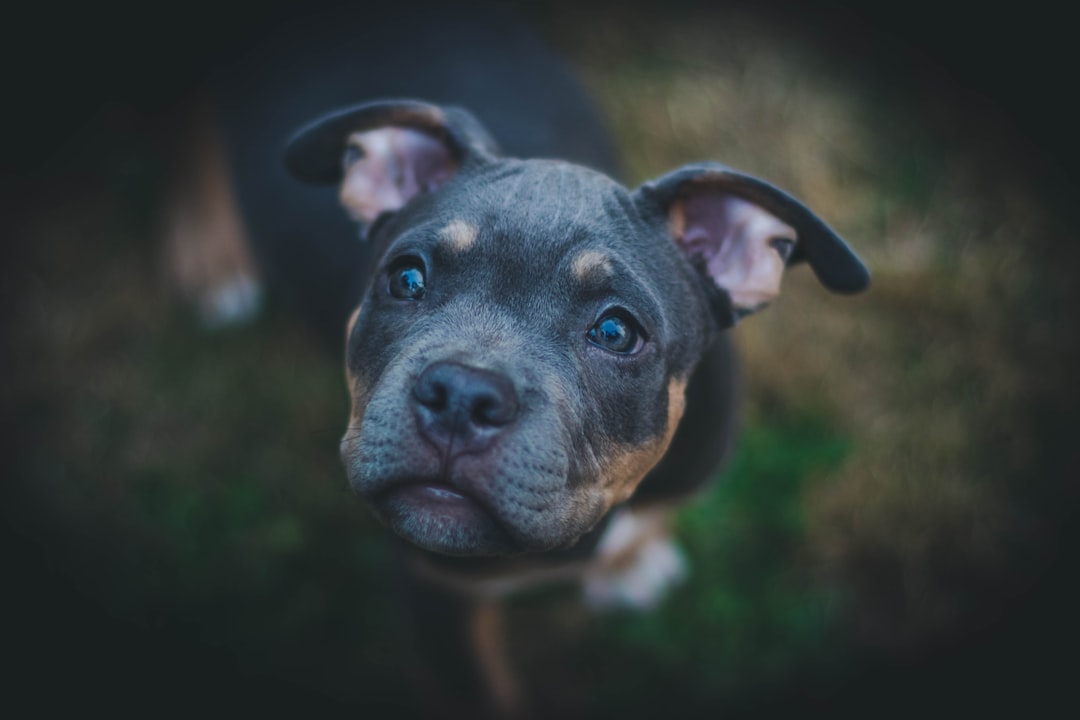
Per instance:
{"type": "Point", "coordinates": [896, 529]}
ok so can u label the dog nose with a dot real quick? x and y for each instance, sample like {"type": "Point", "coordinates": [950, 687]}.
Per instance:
{"type": "Point", "coordinates": [463, 407]}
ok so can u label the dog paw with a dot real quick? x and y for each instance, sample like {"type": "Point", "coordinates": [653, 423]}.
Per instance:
{"type": "Point", "coordinates": [232, 302]}
{"type": "Point", "coordinates": [640, 579]}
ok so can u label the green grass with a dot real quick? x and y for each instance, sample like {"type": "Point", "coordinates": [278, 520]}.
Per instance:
{"type": "Point", "coordinates": [748, 613]}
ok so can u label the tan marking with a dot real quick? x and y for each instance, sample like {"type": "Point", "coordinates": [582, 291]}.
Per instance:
{"type": "Point", "coordinates": [358, 400]}
{"type": "Point", "coordinates": [677, 218]}
{"type": "Point", "coordinates": [459, 235]}
{"type": "Point", "coordinates": [588, 262]}
{"type": "Point", "coordinates": [352, 322]}
{"type": "Point", "coordinates": [357, 387]}
{"type": "Point", "coordinates": [358, 392]}
{"type": "Point", "coordinates": [486, 629]}
{"type": "Point", "coordinates": [627, 469]}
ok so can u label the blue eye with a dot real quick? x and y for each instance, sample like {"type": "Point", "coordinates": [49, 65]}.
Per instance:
{"type": "Point", "coordinates": [617, 333]}
{"type": "Point", "coordinates": [407, 281]}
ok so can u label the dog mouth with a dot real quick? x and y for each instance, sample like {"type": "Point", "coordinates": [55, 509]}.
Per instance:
{"type": "Point", "coordinates": [442, 518]}
{"type": "Point", "coordinates": [432, 497]}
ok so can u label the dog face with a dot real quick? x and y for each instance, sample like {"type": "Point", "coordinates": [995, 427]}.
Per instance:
{"type": "Point", "coordinates": [520, 358]}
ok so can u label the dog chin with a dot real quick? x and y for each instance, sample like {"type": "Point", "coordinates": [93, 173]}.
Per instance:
{"type": "Point", "coordinates": [440, 519]}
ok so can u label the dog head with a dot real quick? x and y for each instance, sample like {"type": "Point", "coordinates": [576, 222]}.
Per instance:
{"type": "Point", "coordinates": [520, 358]}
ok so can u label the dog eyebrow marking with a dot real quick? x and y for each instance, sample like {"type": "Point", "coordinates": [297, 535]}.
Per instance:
{"type": "Point", "coordinates": [459, 235]}
{"type": "Point", "coordinates": [589, 262]}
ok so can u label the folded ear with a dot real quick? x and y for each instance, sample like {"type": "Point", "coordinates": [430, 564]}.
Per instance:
{"type": "Point", "coordinates": [741, 232]}
{"type": "Point", "coordinates": [386, 152]}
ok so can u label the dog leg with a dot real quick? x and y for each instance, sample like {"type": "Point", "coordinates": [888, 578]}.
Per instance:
{"type": "Point", "coordinates": [488, 639]}
{"type": "Point", "coordinates": [207, 257]}
{"type": "Point", "coordinates": [638, 562]}
{"type": "Point", "coordinates": [457, 649]}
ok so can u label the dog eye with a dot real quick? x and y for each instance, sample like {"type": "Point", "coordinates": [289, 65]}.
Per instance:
{"type": "Point", "coordinates": [617, 332]}
{"type": "Point", "coordinates": [407, 281]}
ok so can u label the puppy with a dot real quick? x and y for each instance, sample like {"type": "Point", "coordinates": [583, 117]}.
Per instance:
{"type": "Point", "coordinates": [539, 347]}
{"type": "Point", "coordinates": [537, 356]}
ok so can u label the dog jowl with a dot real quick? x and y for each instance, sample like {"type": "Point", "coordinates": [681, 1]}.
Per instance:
{"type": "Point", "coordinates": [520, 361]}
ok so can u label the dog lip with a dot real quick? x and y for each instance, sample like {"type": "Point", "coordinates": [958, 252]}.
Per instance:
{"type": "Point", "coordinates": [437, 490]}
{"type": "Point", "coordinates": [413, 497]}
{"type": "Point", "coordinates": [442, 490]}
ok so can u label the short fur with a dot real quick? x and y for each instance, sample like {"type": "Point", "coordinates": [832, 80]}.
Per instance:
{"type": "Point", "coordinates": [537, 357]}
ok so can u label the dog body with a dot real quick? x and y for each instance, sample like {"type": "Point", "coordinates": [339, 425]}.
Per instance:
{"type": "Point", "coordinates": [537, 356]}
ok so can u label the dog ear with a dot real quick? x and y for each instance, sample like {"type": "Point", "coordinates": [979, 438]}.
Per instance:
{"type": "Point", "coordinates": [741, 233]}
{"type": "Point", "coordinates": [385, 153]}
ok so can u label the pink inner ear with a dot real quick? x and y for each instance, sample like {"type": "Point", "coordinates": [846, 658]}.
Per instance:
{"type": "Point", "coordinates": [396, 165]}
{"type": "Point", "coordinates": [735, 239]}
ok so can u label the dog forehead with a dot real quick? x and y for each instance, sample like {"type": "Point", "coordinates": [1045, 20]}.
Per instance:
{"type": "Point", "coordinates": [547, 201]}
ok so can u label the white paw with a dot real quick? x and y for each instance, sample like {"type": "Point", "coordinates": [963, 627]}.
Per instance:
{"type": "Point", "coordinates": [642, 581]}
{"type": "Point", "coordinates": [232, 302]}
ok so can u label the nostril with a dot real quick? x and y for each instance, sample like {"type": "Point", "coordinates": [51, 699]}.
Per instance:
{"type": "Point", "coordinates": [494, 409]}
{"type": "Point", "coordinates": [483, 411]}
{"type": "Point", "coordinates": [432, 394]}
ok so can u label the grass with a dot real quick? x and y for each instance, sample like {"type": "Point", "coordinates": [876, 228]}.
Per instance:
{"type": "Point", "coordinates": [749, 613]}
